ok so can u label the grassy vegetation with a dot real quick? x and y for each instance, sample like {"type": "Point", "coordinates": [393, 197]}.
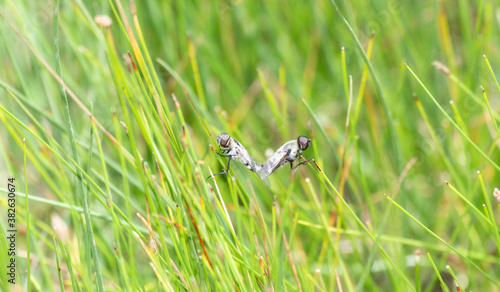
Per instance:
{"type": "Point", "coordinates": [400, 99]}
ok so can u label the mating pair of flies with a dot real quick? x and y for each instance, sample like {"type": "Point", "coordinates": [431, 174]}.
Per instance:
{"type": "Point", "coordinates": [290, 152]}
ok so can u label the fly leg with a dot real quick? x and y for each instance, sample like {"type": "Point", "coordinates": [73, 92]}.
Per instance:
{"type": "Point", "coordinates": [294, 169]}
{"type": "Point", "coordinates": [227, 168]}
{"type": "Point", "coordinates": [223, 155]}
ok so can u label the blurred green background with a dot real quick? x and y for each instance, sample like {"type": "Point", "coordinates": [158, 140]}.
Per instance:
{"type": "Point", "coordinates": [265, 72]}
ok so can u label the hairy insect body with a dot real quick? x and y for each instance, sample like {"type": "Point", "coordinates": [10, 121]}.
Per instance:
{"type": "Point", "coordinates": [239, 153]}
{"type": "Point", "coordinates": [288, 153]}
{"type": "Point", "coordinates": [233, 149]}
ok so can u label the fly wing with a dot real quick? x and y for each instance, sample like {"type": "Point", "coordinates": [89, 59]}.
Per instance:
{"type": "Point", "coordinates": [273, 163]}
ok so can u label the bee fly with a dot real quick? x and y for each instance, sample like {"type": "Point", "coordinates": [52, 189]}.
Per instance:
{"type": "Point", "coordinates": [234, 150]}
{"type": "Point", "coordinates": [288, 153]}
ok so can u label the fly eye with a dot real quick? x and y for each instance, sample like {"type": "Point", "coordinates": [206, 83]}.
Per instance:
{"type": "Point", "coordinates": [303, 142]}
{"type": "Point", "coordinates": [223, 139]}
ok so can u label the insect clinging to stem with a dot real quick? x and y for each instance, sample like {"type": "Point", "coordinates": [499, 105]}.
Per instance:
{"type": "Point", "coordinates": [234, 150]}
{"type": "Point", "coordinates": [288, 153]}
